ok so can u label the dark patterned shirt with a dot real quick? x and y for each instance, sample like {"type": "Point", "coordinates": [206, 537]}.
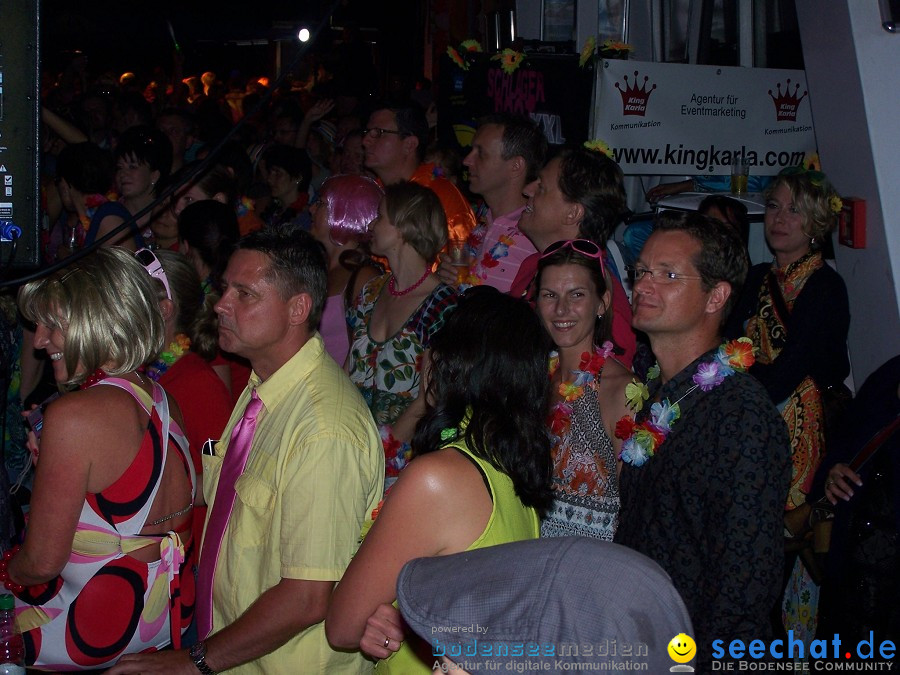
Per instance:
{"type": "Point", "coordinates": [709, 506]}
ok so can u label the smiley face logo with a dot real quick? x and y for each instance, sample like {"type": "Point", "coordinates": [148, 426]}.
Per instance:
{"type": "Point", "coordinates": [682, 648]}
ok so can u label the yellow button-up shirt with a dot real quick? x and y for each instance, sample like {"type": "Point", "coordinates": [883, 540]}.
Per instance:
{"type": "Point", "coordinates": [314, 473]}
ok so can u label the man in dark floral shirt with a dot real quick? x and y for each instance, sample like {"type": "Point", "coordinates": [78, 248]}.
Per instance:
{"type": "Point", "coordinates": [703, 494]}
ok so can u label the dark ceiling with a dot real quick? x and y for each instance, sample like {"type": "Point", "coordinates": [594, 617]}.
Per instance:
{"type": "Point", "coordinates": [127, 35]}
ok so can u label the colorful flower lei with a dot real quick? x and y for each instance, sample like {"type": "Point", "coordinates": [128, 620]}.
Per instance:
{"type": "Point", "coordinates": [397, 453]}
{"type": "Point", "coordinates": [466, 276]}
{"type": "Point", "coordinates": [560, 418]}
{"type": "Point", "coordinates": [91, 203]}
{"type": "Point", "coordinates": [245, 205]}
{"type": "Point", "coordinates": [510, 60]}
{"type": "Point", "coordinates": [169, 356]}
{"type": "Point", "coordinates": [642, 439]}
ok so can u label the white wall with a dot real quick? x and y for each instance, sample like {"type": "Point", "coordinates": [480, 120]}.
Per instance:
{"type": "Point", "coordinates": [853, 73]}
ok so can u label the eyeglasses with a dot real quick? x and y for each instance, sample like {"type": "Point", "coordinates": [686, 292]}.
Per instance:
{"type": "Point", "coordinates": [154, 268]}
{"type": "Point", "coordinates": [636, 273]}
{"type": "Point", "coordinates": [585, 247]}
{"type": "Point", "coordinates": [378, 132]}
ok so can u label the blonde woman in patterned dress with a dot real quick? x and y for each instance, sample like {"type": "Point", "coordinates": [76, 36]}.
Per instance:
{"type": "Point", "coordinates": [397, 314]}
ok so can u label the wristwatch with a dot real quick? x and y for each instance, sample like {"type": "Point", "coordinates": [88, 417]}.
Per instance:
{"type": "Point", "coordinates": [198, 656]}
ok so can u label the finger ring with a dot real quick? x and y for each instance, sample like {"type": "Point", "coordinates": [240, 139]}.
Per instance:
{"type": "Point", "coordinates": [387, 641]}
{"type": "Point", "coordinates": [831, 481]}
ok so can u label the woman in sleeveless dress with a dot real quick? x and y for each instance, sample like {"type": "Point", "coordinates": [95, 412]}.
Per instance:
{"type": "Point", "coordinates": [480, 472]}
{"type": "Point", "coordinates": [101, 571]}
{"type": "Point", "coordinates": [587, 387]}
{"type": "Point", "coordinates": [341, 215]}
{"type": "Point", "coordinates": [397, 314]}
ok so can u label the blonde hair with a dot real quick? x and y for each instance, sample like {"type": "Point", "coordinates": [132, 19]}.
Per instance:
{"type": "Point", "coordinates": [194, 315]}
{"type": "Point", "coordinates": [812, 199]}
{"type": "Point", "coordinates": [107, 309]}
{"type": "Point", "coordinates": [417, 214]}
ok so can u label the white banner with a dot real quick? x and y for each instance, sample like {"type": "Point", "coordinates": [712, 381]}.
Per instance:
{"type": "Point", "coordinates": [673, 118]}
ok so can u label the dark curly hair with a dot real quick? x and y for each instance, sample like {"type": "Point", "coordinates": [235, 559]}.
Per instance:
{"type": "Point", "coordinates": [490, 361]}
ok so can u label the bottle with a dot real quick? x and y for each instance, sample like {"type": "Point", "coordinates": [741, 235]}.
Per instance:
{"type": "Point", "coordinates": [12, 647]}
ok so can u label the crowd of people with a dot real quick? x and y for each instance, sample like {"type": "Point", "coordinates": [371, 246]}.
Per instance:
{"type": "Point", "coordinates": [304, 358]}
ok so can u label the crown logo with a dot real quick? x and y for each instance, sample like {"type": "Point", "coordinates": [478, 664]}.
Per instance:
{"type": "Point", "coordinates": [634, 97]}
{"type": "Point", "coordinates": [786, 103]}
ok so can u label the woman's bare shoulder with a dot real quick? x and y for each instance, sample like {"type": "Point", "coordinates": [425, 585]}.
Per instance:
{"type": "Point", "coordinates": [442, 472]}
{"type": "Point", "coordinates": [616, 374]}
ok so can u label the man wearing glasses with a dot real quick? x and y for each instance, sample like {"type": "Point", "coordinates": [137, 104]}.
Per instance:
{"type": "Point", "coordinates": [706, 455]}
{"type": "Point", "coordinates": [394, 142]}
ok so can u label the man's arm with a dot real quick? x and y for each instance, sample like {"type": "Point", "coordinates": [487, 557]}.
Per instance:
{"type": "Point", "coordinates": [292, 605]}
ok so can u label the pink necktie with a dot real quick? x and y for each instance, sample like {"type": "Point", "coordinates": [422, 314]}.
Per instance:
{"type": "Point", "coordinates": [232, 467]}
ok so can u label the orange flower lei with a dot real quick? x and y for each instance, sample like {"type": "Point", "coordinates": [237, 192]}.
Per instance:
{"type": "Point", "coordinates": [560, 418]}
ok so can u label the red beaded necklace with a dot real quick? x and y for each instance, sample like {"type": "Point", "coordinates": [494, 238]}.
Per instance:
{"type": "Point", "coordinates": [94, 378]}
{"type": "Point", "coordinates": [392, 285]}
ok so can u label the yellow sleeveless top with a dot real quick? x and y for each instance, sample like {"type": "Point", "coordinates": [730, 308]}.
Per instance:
{"type": "Point", "coordinates": [510, 521]}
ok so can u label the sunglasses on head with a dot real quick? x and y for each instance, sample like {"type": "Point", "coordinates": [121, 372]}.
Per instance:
{"type": "Point", "coordinates": [154, 268]}
{"type": "Point", "coordinates": [584, 247]}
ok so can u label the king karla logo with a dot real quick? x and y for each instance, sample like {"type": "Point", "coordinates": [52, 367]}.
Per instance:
{"type": "Point", "coordinates": [634, 97]}
{"type": "Point", "coordinates": [787, 103]}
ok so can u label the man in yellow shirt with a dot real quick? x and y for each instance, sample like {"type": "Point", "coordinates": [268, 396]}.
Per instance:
{"type": "Point", "coordinates": [313, 472]}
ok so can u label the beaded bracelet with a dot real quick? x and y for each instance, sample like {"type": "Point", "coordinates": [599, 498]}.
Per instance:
{"type": "Point", "coordinates": [8, 583]}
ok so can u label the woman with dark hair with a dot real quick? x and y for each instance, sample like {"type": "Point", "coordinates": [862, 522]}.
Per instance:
{"type": "Point", "coordinates": [207, 234]}
{"type": "Point", "coordinates": [588, 390]}
{"type": "Point", "coordinates": [288, 172]}
{"type": "Point", "coordinates": [796, 312]}
{"type": "Point", "coordinates": [480, 474]}
{"type": "Point", "coordinates": [219, 183]}
{"type": "Point", "coordinates": [578, 195]}
{"type": "Point", "coordinates": [397, 314]}
{"type": "Point", "coordinates": [143, 158]}
{"type": "Point", "coordinates": [346, 207]}
{"type": "Point", "coordinates": [84, 173]}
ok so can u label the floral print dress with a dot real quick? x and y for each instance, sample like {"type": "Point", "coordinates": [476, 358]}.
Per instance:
{"type": "Point", "coordinates": [387, 373]}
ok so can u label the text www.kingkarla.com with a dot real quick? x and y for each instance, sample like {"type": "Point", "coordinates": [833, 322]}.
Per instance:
{"type": "Point", "coordinates": [704, 159]}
